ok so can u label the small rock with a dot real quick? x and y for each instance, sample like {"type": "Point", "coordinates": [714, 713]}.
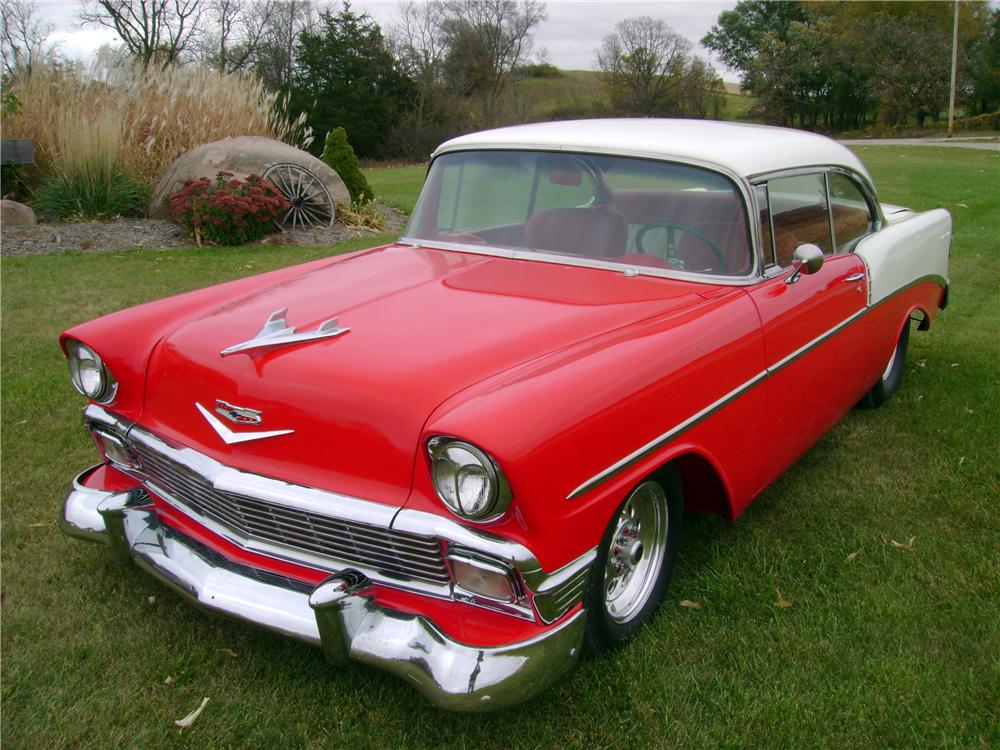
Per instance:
{"type": "Point", "coordinates": [13, 213]}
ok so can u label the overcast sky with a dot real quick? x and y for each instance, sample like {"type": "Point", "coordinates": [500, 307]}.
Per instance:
{"type": "Point", "coordinates": [571, 33]}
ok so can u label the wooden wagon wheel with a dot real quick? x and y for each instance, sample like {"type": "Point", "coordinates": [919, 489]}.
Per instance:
{"type": "Point", "coordinates": [311, 204]}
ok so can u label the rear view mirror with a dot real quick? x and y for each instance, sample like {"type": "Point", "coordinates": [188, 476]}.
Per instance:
{"type": "Point", "coordinates": [807, 259]}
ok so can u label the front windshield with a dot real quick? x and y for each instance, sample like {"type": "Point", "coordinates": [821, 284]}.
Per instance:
{"type": "Point", "coordinates": [607, 209]}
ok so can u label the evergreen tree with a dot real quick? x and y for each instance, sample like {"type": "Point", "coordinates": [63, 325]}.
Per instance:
{"type": "Point", "coordinates": [345, 76]}
{"type": "Point", "coordinates": [338, 154]}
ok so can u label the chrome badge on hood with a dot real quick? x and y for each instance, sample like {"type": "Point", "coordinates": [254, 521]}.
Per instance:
{"type": "Point", "coordinates": [238, 414]}
{"type": "Point", "coordinates": [231, 438]}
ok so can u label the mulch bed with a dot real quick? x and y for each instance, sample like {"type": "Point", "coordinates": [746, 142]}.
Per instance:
{"type": "Point", "coordinates": [128, 234]}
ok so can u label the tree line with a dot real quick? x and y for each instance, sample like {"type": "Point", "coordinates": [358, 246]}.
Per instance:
{"type": "Point", "coordinates": [444, 67]}
{"type": "Point", "coordinates": [450, 66]}
{"type": "Point", "coordinates": [843, 66]}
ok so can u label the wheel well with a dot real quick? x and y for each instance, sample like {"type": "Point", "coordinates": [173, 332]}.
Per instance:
{"type": "Point", "coordinates": [921, 317]}
{"type": "Point", "coordinates": [704, 490]}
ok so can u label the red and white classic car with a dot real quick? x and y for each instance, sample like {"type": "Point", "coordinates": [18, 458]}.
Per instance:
{"type": "Point", "coordinates": [465, 456]}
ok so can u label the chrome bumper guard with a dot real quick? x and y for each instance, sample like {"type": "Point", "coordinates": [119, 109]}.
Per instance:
{"type": "Point", "coordinates": [339, 615]}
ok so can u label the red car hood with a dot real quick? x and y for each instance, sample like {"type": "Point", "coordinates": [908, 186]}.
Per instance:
{"type": "Point", "coordinates": [424, 325]}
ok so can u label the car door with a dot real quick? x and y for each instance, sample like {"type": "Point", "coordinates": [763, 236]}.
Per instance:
{"type": "Point", "coordinates": [813, 324]}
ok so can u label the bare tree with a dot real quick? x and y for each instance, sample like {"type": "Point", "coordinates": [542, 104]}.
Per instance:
{"type": "Point", "coordinates": [417, 42]}
{"type": "Point", "coordinates": [22, 35]}
{"type": "Point", "coordinates": [643, 64]}
{"type": "Point", "coordinates": [276, 53]}
{"type": "Point", "coordinates": [487, 40]}
{"type": "Point", "coordinates": [152, 30]}
{"type": "Point", "coordinates": [235, 32]}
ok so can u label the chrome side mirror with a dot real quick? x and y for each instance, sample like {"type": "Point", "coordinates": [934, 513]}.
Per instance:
{"type": "Point", "coordinates": [807, 259]}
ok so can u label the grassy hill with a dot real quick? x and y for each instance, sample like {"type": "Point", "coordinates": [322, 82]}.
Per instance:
{"type": "Point", "coordinates": [579, 93]}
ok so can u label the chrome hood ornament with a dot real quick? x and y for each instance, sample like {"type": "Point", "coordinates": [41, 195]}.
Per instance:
{"type": "Point", "coordinates": [277, 332]}
{"type": "Point", "coordinates": [231, 438]}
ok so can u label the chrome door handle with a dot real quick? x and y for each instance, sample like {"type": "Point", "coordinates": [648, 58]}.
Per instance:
{"type": "Point", "coordinates": [854, 277]}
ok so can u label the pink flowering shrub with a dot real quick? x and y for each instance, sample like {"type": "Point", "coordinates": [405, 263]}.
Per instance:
{"type": "Point", "coordinates": [227, 211]}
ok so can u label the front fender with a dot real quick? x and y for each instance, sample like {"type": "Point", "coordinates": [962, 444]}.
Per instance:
{"type": "Point", "coordinates": [560, 421]}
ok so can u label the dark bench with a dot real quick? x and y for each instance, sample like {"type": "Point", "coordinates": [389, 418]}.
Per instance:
{"type": "Point", "coordinates": [17, 151]}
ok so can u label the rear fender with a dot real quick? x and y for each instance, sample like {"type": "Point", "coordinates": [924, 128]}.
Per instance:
{"type": "Point", "coordinates": [903, 254]}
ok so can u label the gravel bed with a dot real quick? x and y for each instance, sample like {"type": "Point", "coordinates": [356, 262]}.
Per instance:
{"type": "Point", "coordinates": [128, 234]}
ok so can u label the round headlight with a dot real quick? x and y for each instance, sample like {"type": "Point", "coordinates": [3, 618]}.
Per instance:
{"type": "Point", "coordinates": [89, 374]}
{"type": "Point", "coordinates": [468, 481]}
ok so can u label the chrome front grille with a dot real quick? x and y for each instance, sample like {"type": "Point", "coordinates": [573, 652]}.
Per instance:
{"type": "Point", "coordinates": [342, 542]}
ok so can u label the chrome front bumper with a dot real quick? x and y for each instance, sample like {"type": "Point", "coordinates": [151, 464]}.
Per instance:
{"type": "Point", "coordinates": [340, 615]}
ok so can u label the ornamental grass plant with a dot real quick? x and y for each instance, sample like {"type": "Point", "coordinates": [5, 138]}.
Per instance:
{"type": "Point", "coordinates": [88, 180]}
{"type": "Point", "coordinates": [157, 114]}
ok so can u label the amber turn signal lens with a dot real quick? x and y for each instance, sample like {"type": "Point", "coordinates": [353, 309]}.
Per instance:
{"type": "Point", "coordinates": [115, 449]}
{"type": "Point", "coordinates": [481, 578]}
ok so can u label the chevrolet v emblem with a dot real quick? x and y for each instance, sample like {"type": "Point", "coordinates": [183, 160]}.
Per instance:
{"type": "Point", "coordinates": [230, 437]}
{"type": "Point", "coordinates": [238, 414]}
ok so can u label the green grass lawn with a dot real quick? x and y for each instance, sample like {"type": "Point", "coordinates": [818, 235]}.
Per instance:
{"type": "Point", "coordinates": [397, 186]}
{"type": "Point", "coordinates": [883, 646]}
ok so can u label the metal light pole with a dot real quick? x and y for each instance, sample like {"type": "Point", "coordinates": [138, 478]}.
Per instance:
{"type": "Point", "coordinates": [954, 72]}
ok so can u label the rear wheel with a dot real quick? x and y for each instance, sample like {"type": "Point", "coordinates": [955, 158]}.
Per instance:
{"type": "Point", "coordinates": [892, 376]}
{"type": "Point", "coordinates": [635, 562]}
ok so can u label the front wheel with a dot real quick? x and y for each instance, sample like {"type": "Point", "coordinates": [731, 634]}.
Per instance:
{"type": "Point", "coordinates": [635, 562]}
{"type": "Point", "coordinates": [892, 376]}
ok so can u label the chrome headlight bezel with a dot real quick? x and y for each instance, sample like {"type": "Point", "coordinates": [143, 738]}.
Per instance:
{"type": "Point", "coordinates": [84, 364]}
{"type": "Point", "coordinates": [448, 458]}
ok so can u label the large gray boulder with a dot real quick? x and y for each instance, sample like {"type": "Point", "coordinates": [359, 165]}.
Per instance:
{"type": "Point", "coordinates": [243, 155]}
{"type": "Point", "coordinates": [14, 214]}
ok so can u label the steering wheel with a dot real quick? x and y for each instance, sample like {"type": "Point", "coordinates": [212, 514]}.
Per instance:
{"type": "Point", "coordinates": [670, 251]}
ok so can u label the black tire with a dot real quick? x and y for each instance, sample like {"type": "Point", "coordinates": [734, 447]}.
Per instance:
{"type": "Point", "coordinates": [893, 375]}
{"type": "Point", "coordinates": [612, 616]}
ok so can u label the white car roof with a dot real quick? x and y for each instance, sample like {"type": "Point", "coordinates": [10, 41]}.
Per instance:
{"type": "Point", "coordinates": [741, 149]}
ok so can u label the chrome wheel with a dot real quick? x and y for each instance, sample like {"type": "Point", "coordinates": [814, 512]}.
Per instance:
{"type": "Point", "coordinates": [637, 552]}
{"type": "Point", "coordinates": [310, 203]}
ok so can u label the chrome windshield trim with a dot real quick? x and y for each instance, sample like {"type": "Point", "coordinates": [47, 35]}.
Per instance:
{"type": "Point", "coordinates": [571, 260]}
